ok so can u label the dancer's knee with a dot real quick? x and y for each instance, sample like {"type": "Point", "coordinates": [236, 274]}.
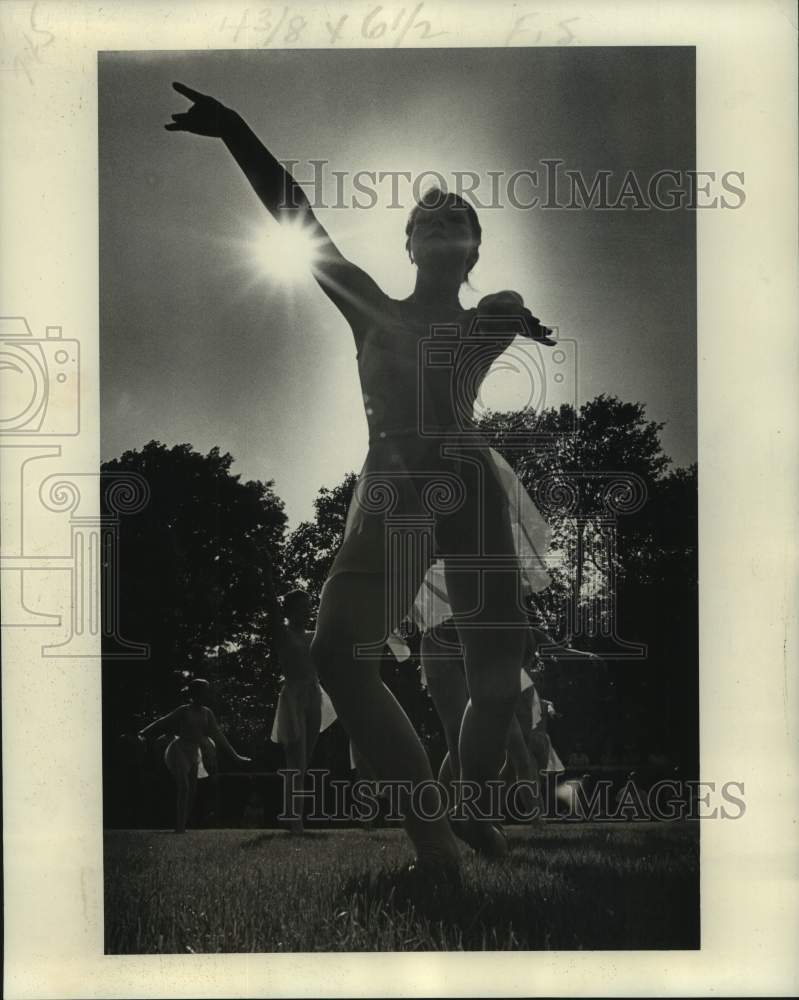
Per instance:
{"type": "Point", "coordinates": [495, 699]}
{"type": "Point", "coordinates": [494, 684]}
{"type": "Point", "coordinates": [495, 689]}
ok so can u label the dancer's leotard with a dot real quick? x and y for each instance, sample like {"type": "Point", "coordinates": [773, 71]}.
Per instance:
{"type": "Point", "coordinates": [541, 740]}
{"type": "Point", "coordinates": [192, 751]}
{"type": "Point", "coordinates": [426, 456]}
{"type": "Point", "coordinates": [301, 693]}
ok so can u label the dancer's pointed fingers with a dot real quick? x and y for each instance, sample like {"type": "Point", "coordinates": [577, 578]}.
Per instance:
{"type": "Point", "coordinates": [179, 123]}
{"type": "Point", "coordinates": [193, 95]}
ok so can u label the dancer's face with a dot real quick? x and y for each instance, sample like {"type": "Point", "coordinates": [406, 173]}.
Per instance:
{"type": "Point", "coordinates": [442, 236]}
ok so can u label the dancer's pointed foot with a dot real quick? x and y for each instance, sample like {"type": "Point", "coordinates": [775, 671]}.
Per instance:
{"type": "Point", "coordinates": [483, 837]}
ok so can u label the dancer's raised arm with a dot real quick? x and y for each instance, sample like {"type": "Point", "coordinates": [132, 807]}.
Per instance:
{"type": "Point", "coordinates": [273, 605]}
{"type": "Point", "coordinates": [348, 287]}
{"type": "Point", "coordinates": [494, 310]}
{"type": "Point", "coordinates": [165, 724]}
{"type": "Point", "coordinates": [220, 739]}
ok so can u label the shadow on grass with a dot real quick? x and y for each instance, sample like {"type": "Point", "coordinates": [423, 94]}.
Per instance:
{"type": "Point", "coordinates": [270, 891]}
{"type": "Point", "coordinates": [529, 902]}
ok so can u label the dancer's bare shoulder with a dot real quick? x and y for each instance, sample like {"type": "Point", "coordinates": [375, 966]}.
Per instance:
{"type": "Point", "coordinates": [355, 294]}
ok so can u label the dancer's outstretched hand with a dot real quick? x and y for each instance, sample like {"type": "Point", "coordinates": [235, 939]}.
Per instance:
{"type": "Point", "coordinates": [243, 760]}
{"type": "Point", "coordinates": [206, 116]}
{"type": "Point", "coordinates": [541, 334]}
{"type": "Point", "coordinates": [511, 304]}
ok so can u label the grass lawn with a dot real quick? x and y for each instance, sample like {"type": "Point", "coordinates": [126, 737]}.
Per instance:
{"type": "Point", "coordinates": [581, 886]}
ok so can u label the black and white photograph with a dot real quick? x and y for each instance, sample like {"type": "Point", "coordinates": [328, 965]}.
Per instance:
{"type": "Point", "coordinates": [398, 353]}
{"type": "Point", "coordinates": [398, 435]}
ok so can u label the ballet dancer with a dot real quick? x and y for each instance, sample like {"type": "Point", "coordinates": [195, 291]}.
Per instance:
{"type": "Point", "coordinates": [362, 601]}
{"type": "Point", "coordinates": [299, 716]}
{"type": "Point", "coordinates": [192, 752]}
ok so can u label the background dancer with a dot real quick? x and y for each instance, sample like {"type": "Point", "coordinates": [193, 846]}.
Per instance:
{"type": "Point", "coordinates": [303, 709]}
{"type": "Point", "coordinates": [192, 752]}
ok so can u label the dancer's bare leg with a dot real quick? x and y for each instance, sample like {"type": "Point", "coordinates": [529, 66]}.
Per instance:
{"type": "Point", "coordinates": [181, 801]}
{"type": "Point", "coordinates": [212, 781]}
{"type": "Point", "coordinates": [353, 611]}
{"type": "Point", "coordinates": [296, 761]}
{"type": "Point", "coordinates": [365, 773]}
{"type": "Point", "coordinates": [313, 720]}
{"type": "Point", "coordinates": [447, 687]}
{"type": "Point", "coordinates": [362, 766]}
{"type": "Point", "coordinates": [192, 793]}
{"type": "Point", "coordinates": [523, 766]}
{"type": "Point", "coordinates": [446, 777]}
{"type": "Point", "coordinates": [494, 643]}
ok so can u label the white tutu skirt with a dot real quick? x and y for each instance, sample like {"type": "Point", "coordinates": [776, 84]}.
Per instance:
{"type": "Point", "coordinates": [289, 725]}
{"type": "Point", "coordinates": [554, 764]}
{"type": "Point", "coordinates": [183, 757]}
{"type": "Point", "coordinates": [397, 481]}
{"type": "Point", "coordinates": [531, 538]}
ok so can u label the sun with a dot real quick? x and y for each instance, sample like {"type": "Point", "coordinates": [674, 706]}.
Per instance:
{"type": "Point", "coordinates": [284, 252]}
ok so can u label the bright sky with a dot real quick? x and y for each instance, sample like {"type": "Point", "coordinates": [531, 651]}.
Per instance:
{"type": "Point", "coordinates": [201, 344]}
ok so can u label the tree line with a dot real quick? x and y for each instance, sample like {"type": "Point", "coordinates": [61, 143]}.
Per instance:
{"type": "Point", "coordinates": [192, 586]}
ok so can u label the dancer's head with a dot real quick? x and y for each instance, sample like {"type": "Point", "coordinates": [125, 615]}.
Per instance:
{"type": "Point", "coordinates": [297, 608]}
{"type": "Point", "coordinates": [198, 690]}
{"type": "Point", "coordinates": [443, 231]}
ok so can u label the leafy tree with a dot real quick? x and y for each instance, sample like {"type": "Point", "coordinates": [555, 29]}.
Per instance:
{"type": "Point", "coordinates": [312, 546]}
{"type": "Point", "coordinates": [580, 454]}
{"type": "Point", "coordinates": [653, 572]}
{"type": "Point", "coordinates": [191, 563]}
{"type": "Point", "coordinates": [192, 585]}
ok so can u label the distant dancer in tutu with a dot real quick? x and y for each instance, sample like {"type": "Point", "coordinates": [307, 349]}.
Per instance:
{"type": "Point", "coordinates": [192, 752]}
{"type": "Point", "coordinates": [444, 470]}
{"type": "Point", "coordinates": [303, 709]}
{"type": "Point", "coordinates": [535, 712]}
{"type": "Point", "coordinates": [534, 715]}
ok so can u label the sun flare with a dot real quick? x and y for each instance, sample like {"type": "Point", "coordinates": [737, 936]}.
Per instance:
{"type": "Point", "coordinates": [283, 253]}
